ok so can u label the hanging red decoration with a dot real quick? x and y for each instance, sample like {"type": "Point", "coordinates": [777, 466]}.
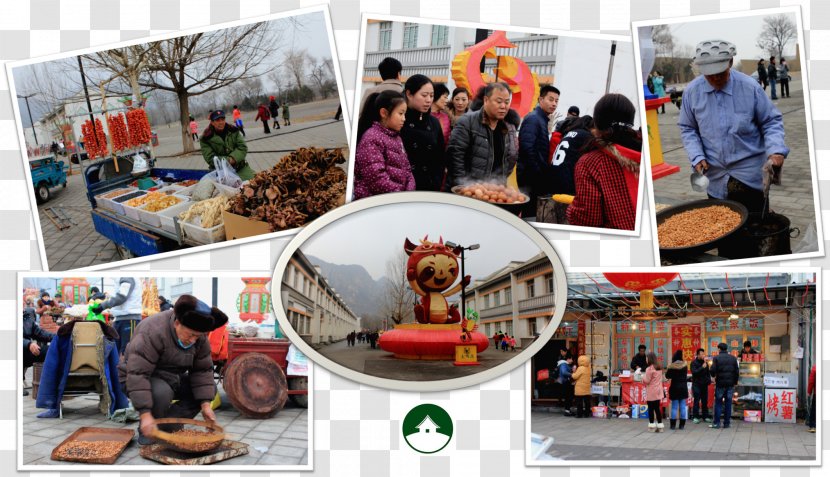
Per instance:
{"type": "Point", "coordinates": [642, 282]}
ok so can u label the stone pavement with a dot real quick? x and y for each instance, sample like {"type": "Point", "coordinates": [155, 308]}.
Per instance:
{"type": "Point", "coordinates": [629, 439]}
{"type": "Point", "coordinates": [80, 246]}
{"type": "Point", "coordinates": [376, 362]}
{"type": "Point", "coordinates": [793, 199]}
{"type": "Point", "coordinates": [281, 440]}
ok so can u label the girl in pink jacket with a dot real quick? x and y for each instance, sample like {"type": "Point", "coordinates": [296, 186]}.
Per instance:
{"type": "Point", "coordinates": [653, 379]}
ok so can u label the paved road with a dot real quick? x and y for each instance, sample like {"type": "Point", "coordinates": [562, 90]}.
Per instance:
{"type": "Point", "coordinates": [794, 198]}
{"type": "Point", "coordinates": [377, 362]}
{"type": "Point", "coordinates": [629, 439]}
{"type": "Point", "coordinates": [281, 440]}
{"type": "Point", "coordinates": [80, 246]}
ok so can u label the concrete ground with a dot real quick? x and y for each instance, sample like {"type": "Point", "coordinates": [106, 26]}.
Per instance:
{"type": "Point", "coordinates": [281, 440]}
{"type": "Point", "coordinates": [76, 247]}
{"type": "Point", "coordinates": [629, 440]}
{"type": "Point", "coordinates": [376, 362]}
{"type": "Point", "coordinates": [794, 198]}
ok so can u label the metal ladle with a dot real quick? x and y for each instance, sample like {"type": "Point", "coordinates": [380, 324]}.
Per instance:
{"type": "Point", "coordinates": [700, 183]}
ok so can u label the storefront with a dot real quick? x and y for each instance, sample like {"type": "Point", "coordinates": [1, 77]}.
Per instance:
{"type": "Point", "coordinates": [778, 320]}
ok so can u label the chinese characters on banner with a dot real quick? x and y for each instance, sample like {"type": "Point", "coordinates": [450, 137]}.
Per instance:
{"type": "Point", "coordinates": [713, 325]}
{"type": "Point", "coordinates": [687, 339]}
{"type": "Point", "coordinates": [580, 339]}
{"type": "Point", "coordinates": [779, 405]}
{"type": "Point", "coordinates": [661, 349]}
{"type": "Point", "coordinates": [714, 341]}
{"type": "Point", "coordinates": [641, 340]}
{"type": "Point", "coordinates": [623, 353]}
{"type": "Point", "coordinates": [735, 344]}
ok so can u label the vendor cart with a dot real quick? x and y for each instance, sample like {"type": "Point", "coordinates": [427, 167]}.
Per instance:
{"type": "Point", "coordinates": [133, 238]}
{"type": "Point", "coordinates": [255, 351]}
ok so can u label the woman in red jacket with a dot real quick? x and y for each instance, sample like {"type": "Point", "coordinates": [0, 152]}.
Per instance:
{"type": "Point", "coordinates": [607, 174]}
{"type": "Point", "coordinates": [263, 115]}
{"type": "Point", "coordinates": [812, 391]}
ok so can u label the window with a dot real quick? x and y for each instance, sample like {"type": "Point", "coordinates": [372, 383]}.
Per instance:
{"type": "Point", "coordinates": [487, 330]}
{"type": "Point", "coordinates": [486, 301]}
{"type": "Point", "coordinates": [440, 35]}
{"type": "Point", "coordinates": [549, 282]}
{"type": "Point", "coordinates": [385, 38]}
{"type": "Point", "coordinates": [509, 326]}
{"type": "Point", "coordinates": [531, 290]}
{"type": "Point", "coordinates": [531, 327]}
{"type": "Point", "coordinates": [297, 281]}
{"type": "Point", "coordinates": [410, 35]}
{"type": "Point", "coordinates": [508, 295]}
{"type": "Point", "coordinates": [496, 301]}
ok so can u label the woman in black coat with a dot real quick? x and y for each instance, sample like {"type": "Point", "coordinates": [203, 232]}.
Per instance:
{"type": "Point", "coordinates": [422, 136]}
{"type": "Point", "coordinates": [678, 389]}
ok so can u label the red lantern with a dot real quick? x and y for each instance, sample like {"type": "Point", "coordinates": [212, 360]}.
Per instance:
{"type": "Point", "coordinates": [254, 302]}
{"type": "Point", "coordinates": [645, 283]}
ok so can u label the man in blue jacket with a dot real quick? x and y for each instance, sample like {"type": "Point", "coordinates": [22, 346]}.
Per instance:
{"type": "Point", "coordinates": [532, 169]}
{"type": "Point", "coordinates": [565, 366]}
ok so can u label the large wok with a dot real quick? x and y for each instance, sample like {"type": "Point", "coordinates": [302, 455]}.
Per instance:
{"type": "Point", "coordinates": [678, 252]}
{"type": "Point", "coordinates": [513, 207]}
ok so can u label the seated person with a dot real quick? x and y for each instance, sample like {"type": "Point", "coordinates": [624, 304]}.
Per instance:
{"type": "Point", "coordinates": [35, 341]}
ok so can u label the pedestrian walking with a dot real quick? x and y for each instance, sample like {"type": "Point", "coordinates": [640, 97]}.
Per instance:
{"type": "Point", "coordinates": [812, 391]}
{"type": "Point", "coordinates": [653, 379]}
{"type": "Point", "coordinates": [700, 388]}
{"type": "Point", "coordinates": [565, 372]}
{"type": "Point", "coordinates": [194, 129]}
{"type": "Point", "coordinates": [762, 74]}
{"type": "Point", "coordinates": [237, 120]}
{"type": "Point", "coordinates": [274, 109]}
{"type": "Point", "coordinates": [505, 342]}
{"type": "Point", "coordinates": [582, 387]}
{"type": "Point", "coordinates": [263, 115]}
{"type": "Point", "coordinates": [772, 77]}
{"type": "Point", "coordinates": [678, 390]}
{"type": "Point", "coordinates": [286, 114]}
{"type": "Point", "coordinates": [725, 371]}
{"type": "Point", "coordinates": [784, 78]}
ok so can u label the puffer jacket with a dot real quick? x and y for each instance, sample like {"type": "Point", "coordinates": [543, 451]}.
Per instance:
{"type": "Point", "coordinates": [233, 145]}
{"type": "Point", "coordinates": [653, 379]}
{"type": "Point", "coordinates": [677, 373]}
{"type": "Point", "coordinates": [725, 370]}
{"type": "Point", "coordinates": [381, 164]}
{"type": "Point", "coordinates": [532, 168]}
{"type": "Point", "coordinates": [153, 352]}
{"type": "Point", "coordinates": [582, 377]}
{"type": "Point", "coordinates": [33, 332]}
{"type": "Point", "coordinates": [423, 140]}
{"type": "Point", "coordinates": [470, 152]}
{"type": "Point", "coordinates": [700, 373]}
{"type": "Point", "coordinates": [564, 372]}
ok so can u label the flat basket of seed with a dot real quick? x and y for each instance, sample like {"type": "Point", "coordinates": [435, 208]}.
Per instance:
{"type": "Point", "coordinates": [93, 445]}
{"type": "Point", "coordinates": [695, 227]}
{"type": "Point", "coordinates": [192, 436]}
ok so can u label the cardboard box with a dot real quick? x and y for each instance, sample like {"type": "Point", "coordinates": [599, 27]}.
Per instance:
{"type": "Point", "coordinates": [237, 226]}
{"type": "Point", "coordinates": [599, 411]}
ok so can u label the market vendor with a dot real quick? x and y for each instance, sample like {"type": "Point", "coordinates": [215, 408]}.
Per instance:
{"type": "Point", "coordinates": [225, 141]}
{"type": "Point", "coordinates": [35, 341]}
{"type": "Point", "coordinates": [730, 129]}
{"type": "Point", "coordinates": [748, 348]}
{"type": "Point", "coordinates": [169, 360]}
{"type": "Point", "coordinates": [639, 359]}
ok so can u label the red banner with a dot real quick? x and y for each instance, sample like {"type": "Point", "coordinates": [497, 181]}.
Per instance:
{"type": "Point", "coordinates": [580, 338]}
{"type": "Point", "coordinates": [687, 339]}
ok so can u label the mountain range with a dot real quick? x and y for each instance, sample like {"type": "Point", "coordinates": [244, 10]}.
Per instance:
{"type": "Point", "coordinates": [359, 290]}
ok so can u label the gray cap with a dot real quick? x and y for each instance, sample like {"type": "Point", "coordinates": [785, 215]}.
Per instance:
{"type": "Point", "coordinates": [712, 56]}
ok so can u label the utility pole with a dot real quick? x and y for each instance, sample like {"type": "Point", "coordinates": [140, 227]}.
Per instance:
{"type": "Point", "coordinates": [31, 120]}
{"type": "Point", "coordinates": [88, 103]}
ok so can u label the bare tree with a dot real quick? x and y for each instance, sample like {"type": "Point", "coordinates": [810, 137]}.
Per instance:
{"type": "Point", "coordinates": [777, 32]}
{"type": "Point", "coordinates": [663, 40]}
{"type": "Point", "coordinates": [126, 63]}
{"type": "Point", "coordinates": [399, 297]}
{"type": "Point", "coordinates": [193, 65]}
{"type": "Point", "coordinates": [318, 72]}
{"type": "Point", "coordinates": [295, 62]}
{"type": "Point", "coordinates": [277, 75]}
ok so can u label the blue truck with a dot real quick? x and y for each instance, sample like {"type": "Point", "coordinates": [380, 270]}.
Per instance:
{"type": "Point", "coordinates": [47, 172]}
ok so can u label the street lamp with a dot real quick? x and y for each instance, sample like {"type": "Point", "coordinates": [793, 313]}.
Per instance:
{"type": "Point", "coordinates": [474, 246]}
{"type": "Point", "coordinates": [34, 132]}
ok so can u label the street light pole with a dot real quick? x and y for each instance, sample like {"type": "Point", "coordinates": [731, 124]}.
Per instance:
{"type": "Point", "coordinates": [31, 120]}
{"type": "Point", "coordinates": [474, 246]}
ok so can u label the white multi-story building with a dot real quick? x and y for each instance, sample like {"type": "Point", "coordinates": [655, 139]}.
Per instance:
{"type": "Point", "coordinates": [582, 68]}
{"type": "Point", "coordinates": [314, 308]}
{"type": "Point", "coordinates": [517, 300]}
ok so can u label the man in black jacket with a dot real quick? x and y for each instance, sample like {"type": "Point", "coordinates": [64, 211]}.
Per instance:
{"type": "Point", "coordinates": [725, 371]}
{"type": "Point", "coordinates": [35, 341]}
{"type": "Point", "coordinates": [700, 387]}
{"type": "Point", "coordinates": [639, 359]}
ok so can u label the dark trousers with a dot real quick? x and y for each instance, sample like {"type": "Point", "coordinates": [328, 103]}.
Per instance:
{"type": "Point", "coordinates": [785, 87]}
{"type": "Point", "coordinates": [339, 113]}
{"type": "Point", "coordinates": [29, 359]}
{"type": "Point", "coordinates": [654, 411]}
{"type": "Point", "coordinates": [164, 394]}
{"type": "Point", "coordinates": [701, 401]}
{"type": "Point", "coordinates": [772, 91]}
{"type": "Point", "coordinates": [265, 127]}
{"type": "Point", "coordinates": [567, 396]}
{"type": "Point", "coordinates": [723, 405]}
{"type": "Point", "coordinates": [811, 419]}
{"type": "Point", "coordinates": [195, 136]}
{"type": "Point", "coordinates": [583, 406]}
{"type": "Point", "coordinates": [752, 199]}
{"type": "Point", "coordinates": [125, 329]}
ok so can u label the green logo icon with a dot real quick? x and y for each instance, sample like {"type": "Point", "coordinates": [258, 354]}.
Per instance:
{"type": "Point", "coordinates": [427, 428]}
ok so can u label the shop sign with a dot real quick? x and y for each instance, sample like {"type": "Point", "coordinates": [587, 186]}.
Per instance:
{"type": "Point", "coordinates": [661, 349]}
{"type": "Point", "coordinates": [777, 381]}
{"type": "Point", "coordinates": [687, 339]}
{"type": "Point", "coordinates": [714, 325]}
{"type": "Point", "coordinates": [623, 353]}
{"type": "Point", "coordinates": [779, 405]}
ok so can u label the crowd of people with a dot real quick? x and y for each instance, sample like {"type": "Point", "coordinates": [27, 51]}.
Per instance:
{"type": "Point", "coordinates": [504, 341]}
{"type": "Point", "coordinates": [769, 75]}
{"type": "Point", "coordinates": [419, 135]}
{"type": "Point", "coordinates": [363, 336]}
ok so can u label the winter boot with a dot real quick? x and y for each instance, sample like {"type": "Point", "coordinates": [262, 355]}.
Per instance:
{"type": "Point", "coordinates": [652, 427]}
{"type": "Point", "coordinates": [660, 427]}
{"type": "Point", "coordinates": [682, 424]}
{"type": "Point", "coordinates": [672, 423]}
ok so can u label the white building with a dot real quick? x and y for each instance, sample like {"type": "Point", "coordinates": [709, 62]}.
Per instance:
{"type": "Point", "coordinates": [581, 68]}
{"type": "Point", "coordinates": [315, 309]}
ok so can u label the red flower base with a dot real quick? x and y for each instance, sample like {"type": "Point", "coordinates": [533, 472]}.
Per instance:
{"type": "Point", "coordinates": [429, 342]}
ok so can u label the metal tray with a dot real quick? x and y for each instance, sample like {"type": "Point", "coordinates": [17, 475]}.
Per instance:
{"type": "Point", "coordinates": [94, 434]}
{"type": "Point", "coordinates": [675, 252]}
{"type": "Point", "coordinates": [159, 453]}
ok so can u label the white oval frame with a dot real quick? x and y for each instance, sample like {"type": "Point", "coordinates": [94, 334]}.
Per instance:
{"type": "Point", "coordinates": [560, 290]}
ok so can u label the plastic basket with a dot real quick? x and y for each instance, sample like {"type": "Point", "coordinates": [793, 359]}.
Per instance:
{"type": "Point", "coordinates": [204, 236]}
{"type": "Point", "coordinates": [167, 215]}
{"type": "Point", "coordinates": [109, 203]}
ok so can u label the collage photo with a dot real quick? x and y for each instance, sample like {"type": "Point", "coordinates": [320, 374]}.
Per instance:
{"type": "Point", "coordinates": [413, 238]}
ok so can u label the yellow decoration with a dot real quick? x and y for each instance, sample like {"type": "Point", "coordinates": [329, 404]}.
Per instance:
{"type": "Point", "coordinates": [465, 354]}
